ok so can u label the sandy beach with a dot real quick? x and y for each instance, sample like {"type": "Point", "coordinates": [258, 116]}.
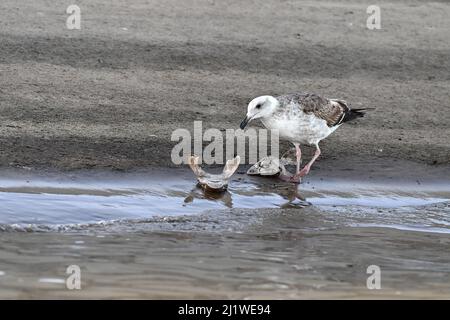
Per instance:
{"type": "Point", "coordinates": [86, 177]}
{"type": "Point", "coordinates": [110, 95]}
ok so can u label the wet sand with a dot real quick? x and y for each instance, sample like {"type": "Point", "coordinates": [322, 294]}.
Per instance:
{"type": "Point", "coordinates": [107, 98]}
{"type": "Point", "coordinates": [275, 264]}
{"type": "Point", "coordinates": [283, 255]}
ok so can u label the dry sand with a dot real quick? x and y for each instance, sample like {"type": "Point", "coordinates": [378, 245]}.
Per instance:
{"type": "Point", "coordinates": [110, 95]}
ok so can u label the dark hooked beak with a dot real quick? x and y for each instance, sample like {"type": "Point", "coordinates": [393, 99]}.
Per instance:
{"type": "Point", "coordinates": [244, 123]}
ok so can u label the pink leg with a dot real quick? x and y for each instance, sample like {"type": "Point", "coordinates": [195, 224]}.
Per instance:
{"type": "Point", "coordinates": [298, 153]}
{"type": "Point", "coordinates": [306, 168]}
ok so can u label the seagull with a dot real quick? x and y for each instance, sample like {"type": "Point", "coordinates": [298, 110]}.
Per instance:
{"type": "Point", "coordinates": [302, 119]}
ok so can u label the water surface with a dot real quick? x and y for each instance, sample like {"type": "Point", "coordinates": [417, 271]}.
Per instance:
{"type": "Point", "coordinates": [155, 235]}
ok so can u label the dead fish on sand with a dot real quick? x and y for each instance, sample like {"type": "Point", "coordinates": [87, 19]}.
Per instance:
{"type": "Point", "coordinates": [267, 166]}
{"type": "Point", "coordinates": [214, 182]}
{"type": "Point", "coordinates": [271, 166]}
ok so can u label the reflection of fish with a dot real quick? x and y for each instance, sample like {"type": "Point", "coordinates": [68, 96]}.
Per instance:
{"type": "Point", "coordinates": [214, 182]}
{"type": "Point", "coordinates": [223, 197]}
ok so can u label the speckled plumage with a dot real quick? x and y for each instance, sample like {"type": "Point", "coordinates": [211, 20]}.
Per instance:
{"type": "Point", "coordinates": [306, 118]}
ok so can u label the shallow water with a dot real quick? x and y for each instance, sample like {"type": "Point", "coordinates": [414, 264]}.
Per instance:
{"type": "Point", "coordinates": [81, 200]}
{"type": "Point", "coordinates": [155, 235]}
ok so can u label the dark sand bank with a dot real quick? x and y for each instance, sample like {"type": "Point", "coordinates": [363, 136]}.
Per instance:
{"type": "Point", "coordinates": [110, 95]}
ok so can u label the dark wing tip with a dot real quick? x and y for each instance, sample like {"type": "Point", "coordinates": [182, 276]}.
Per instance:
{"type": "Point", "coordinates": [352, 114]}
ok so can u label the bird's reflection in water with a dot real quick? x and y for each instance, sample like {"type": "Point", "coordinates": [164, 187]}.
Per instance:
{"type": "Point", "coordinates": [261, 186]}
{"type": "Point", "coordinates": [289, 191]}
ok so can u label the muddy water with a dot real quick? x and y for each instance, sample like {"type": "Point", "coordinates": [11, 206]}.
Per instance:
{"type": "Point", "coordinates": [153, 234]}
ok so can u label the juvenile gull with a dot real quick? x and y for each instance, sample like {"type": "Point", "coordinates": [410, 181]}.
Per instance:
{"type": "Point", "coordinates": [301, 118]}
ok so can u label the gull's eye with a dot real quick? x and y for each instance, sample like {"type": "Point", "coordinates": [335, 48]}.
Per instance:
{"type": "Point", "coordinates": [258, 106]}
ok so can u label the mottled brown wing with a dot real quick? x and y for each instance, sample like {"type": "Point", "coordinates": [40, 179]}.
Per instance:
{"type": "Point", "coordinates": [332, 111]}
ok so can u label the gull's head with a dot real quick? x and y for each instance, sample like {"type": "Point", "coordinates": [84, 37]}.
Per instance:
{"type": "Point", "coordinates": [260, 107]}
